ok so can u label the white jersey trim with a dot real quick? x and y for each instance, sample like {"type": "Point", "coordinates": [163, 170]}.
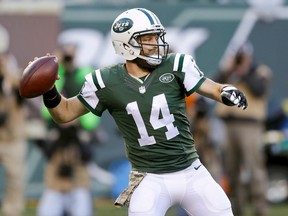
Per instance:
{"type": "Point", "coordinates": [88, 92]}
{"type": "Point", "coordinates": [176, 62]}
{"type": "Point", "coordinates": [99, 78]}
{"type": "Point", "coordinates": [192, 74]}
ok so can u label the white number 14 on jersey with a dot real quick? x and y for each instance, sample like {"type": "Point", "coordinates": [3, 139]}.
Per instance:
{"type": "Point", "coordinates": [159, 105]}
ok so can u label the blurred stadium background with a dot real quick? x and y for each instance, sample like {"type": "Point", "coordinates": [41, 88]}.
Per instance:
{"type": "Point", "coordinates": [207, 29]}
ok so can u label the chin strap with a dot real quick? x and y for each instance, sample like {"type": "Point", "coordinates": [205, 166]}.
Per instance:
{"type": "Point", "coordinates": [152, 60]}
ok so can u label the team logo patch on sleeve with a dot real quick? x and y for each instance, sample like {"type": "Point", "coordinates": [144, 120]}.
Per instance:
{"type": "Point", "coordinates": [166, 78]}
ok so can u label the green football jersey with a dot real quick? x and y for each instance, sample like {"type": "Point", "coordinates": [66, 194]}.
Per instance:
{"type": "Point", "coordinates": [150, 113]}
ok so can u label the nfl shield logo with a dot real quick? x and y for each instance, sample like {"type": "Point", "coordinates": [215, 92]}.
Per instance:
{"type": "Point", "coordinates": [142, 89]}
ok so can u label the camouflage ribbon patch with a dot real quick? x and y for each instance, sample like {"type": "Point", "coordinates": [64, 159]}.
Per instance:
{"type": "Point", "coordinates": [123, 199]}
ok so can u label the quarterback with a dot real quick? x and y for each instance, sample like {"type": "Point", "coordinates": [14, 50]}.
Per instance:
{"type": "Point", "coordinates": [146, 97]}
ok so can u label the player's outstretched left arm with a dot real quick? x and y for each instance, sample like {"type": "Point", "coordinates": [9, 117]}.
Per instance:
{"type": "Point", "coordinates": [226, 94]}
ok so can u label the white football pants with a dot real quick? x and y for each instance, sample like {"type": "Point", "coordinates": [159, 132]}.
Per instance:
{"type": "Point", "coordinates": [193, 189]}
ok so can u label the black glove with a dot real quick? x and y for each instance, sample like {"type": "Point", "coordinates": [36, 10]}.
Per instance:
{"type": "Point", "coordinates": [231, 96]}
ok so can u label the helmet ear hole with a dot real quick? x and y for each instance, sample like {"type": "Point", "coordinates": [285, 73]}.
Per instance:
{"type": "Point", "coordinates": [125, 50]}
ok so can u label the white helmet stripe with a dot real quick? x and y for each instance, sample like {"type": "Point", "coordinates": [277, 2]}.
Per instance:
{"type": "Point", "coordinates": [156, 18]}
{"type": "Point", "coordinates": [152, 18]}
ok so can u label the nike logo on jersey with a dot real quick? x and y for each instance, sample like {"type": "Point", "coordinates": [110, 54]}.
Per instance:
{"type": "Point", "coordinates": [196, 168]}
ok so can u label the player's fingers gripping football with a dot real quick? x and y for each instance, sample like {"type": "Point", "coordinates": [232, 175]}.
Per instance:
{"type": "Point", "coordinates": [35, 58]}
{"type": "Point", "coordinates": [232, 96]}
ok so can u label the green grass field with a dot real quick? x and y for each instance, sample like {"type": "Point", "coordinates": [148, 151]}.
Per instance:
{"type": "Point", "coordinates": [106, 207]}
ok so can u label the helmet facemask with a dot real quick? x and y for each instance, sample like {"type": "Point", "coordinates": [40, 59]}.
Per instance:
{"type": "Point", "coordinates": [152, 59]}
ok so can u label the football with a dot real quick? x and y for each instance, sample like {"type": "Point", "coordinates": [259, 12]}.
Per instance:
{"type": "Point", "coordinates": [39, 76]}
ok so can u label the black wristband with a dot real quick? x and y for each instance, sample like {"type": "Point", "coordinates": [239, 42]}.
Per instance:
{"type": "Point", "coordinates": [51, 98]}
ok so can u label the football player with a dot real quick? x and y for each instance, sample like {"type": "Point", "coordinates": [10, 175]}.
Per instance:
{"type": "Point", "coordinates": [146, 97]}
